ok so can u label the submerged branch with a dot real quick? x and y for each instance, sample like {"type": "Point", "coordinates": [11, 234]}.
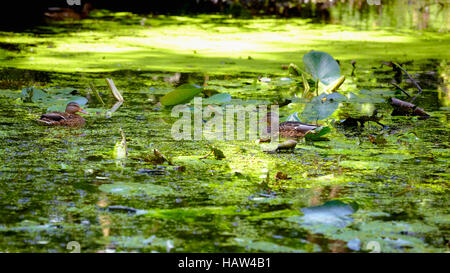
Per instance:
{"type": "Point", "coordinates": [403, 108]}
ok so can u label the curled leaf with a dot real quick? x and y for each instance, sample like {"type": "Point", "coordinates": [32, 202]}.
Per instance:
{"type": "Point", "coordinates": [294, 70]}
{"type": "Point", "coordinates": [332, 87]}
{"type": "Point", "coordinates": [114, 89]}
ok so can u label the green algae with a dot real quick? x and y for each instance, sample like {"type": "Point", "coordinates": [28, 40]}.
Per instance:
{"type": "Point", "coordinates": [98, 44]}
{"type": "Point", "coordinates": [57, 183]}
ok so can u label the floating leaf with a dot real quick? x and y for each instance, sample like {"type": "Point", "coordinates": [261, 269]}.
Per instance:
{"type": "Point", "coordinates": [334, 213]}
{"type": "Point", "coordinates": [182, 94]}
{"type": "Point", "coordinates": [139, 242]}
{"type": "Point", "coordinates": [220, 98]}
{"type": "Point", "coordinates": [322, 66]}
{"type": "Point", "coordinates": [322, 106]}
{"type": "Point", "coordinates": [317, 133]}
{"type": "Point", "coordinates": [13, 94]}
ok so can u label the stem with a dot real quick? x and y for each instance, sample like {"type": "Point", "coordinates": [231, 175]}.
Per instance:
{"type": "Point", "coordinates": [401, 89]}
{"type": "Point", "coordinates": [412, 80]}
{"type": "Point", "coordinates": [96, 92]}
{"type": "Point", "coordinates": [317, 87]}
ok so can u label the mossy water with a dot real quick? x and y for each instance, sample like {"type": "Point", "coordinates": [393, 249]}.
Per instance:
{"type": "Point", "coordinates": [61, 185]}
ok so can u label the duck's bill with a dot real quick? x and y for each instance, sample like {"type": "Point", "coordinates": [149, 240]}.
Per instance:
{"type": "Point", "coordinates": [83, 111]}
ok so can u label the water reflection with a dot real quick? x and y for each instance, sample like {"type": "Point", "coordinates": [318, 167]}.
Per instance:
{"type": "Point", "coordinates": [397, 14]}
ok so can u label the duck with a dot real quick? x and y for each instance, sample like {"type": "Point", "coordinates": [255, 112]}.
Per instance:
{"type": "Point", "coordinates": [289, 129]}
{"type": "Point", "coordinates": [69, 118]}
{"type": "Point", "coordinates": [59, 14]}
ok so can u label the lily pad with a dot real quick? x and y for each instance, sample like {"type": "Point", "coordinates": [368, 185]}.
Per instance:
{"type": "Point", "coordinates": [322, 106]}
{"type": "Point", "coordinates": [10, 94]}
{"type": "Point", "coordinates": [218, 99]}
{"type": "Point", "coordinates": [182, 94]}
{"type": "Point", "coordinates": [322, 66]}
{"type": "Point", "coordinates": [53, 99]}
{"type": "Point", "coordinates": [332, 213]}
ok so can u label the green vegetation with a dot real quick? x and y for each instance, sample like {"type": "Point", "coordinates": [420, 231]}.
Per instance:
{"type": "Point", "coordinates": [122, 183]}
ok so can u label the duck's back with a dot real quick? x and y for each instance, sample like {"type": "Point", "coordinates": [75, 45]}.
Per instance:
{"type": "Point", "coordinates": [65, 119]}
{"type": "Point", "coordinates": [295, 128]}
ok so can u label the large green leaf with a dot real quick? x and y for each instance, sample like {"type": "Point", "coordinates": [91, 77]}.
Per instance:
{"type": "Point", "coordinates": [322, 106]}
{"type": "Point", "coordinates": [322, 66]}
{"type": "Point", "coordinates": [182, 94]}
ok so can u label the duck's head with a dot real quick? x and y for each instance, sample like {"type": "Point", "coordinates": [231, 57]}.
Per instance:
{"type": "Point", "coordinates": [270, 118]}
{"type": "Point", "coordinates": [73, 107]}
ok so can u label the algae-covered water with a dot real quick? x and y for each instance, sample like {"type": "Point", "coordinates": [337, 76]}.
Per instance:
{"type": "Point", "coordinates": [346, 193]}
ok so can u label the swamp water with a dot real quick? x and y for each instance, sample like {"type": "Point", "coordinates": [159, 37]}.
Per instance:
{"type": "Point", "coordinates": [346, 193]}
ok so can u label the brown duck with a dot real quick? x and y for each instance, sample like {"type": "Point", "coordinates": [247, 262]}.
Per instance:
{"type": "Point", "coordinates": [69, 118]}
{"type": "Point", "coordinates": [290, 129]}
{"type": "Point", "coordinates": [59, 14]}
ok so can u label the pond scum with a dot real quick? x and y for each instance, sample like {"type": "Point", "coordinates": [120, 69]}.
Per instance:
{"type": "Point", "coordinates": [369, 171]}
